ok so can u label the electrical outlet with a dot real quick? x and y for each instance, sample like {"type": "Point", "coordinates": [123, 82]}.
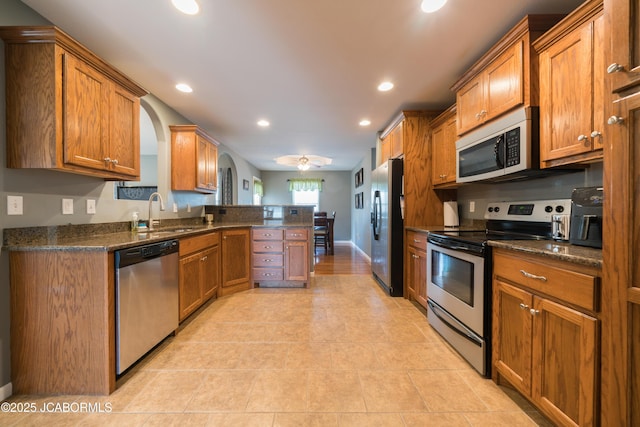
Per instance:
{"type": "Point", "coordinates": [67, 206]}
{"type": "Point", "coordinates": [175, 208]}
{"type": "Point", "coordinates": [91, 206]}
{"type": "Point", "coordinates": [472, 206]}
{"type": "Point", "coordinates": [188, 207]}
{"type": "Point", "coordinates": [14, 205]}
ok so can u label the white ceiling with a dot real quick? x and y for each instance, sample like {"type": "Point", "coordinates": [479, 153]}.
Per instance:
{"type": "Point", "coordinates": [309, 67]}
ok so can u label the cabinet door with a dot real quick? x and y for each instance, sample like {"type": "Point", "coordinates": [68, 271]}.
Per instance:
{"type": "Point", "coordinates": [564, 369]}
{"type": "Point", "coordinates": [512, 323]}
{"type": "Point", "coordinates": [210, 269]}
{"type": "Point", "coordinates": [296, 260]}
{"type": "Point", "coordinates": [396, 142]}
{"type": "Point", "coordinates": [202, 153]}
{"type": "Point", "coordinates": [124, 141]}
{"type": "Point", "coordinates": [504, 82]}
{"type": "Point", "coordinates": [419, 266]}
{"type": "Point", "coordinates": [235, 258]}
{"type": "Point", "coordinates": [471, 109]}
{"type": "Point", "coordinates": [190, 284]}
{"type": "Point", "coordinates": [444, 153]}
{"type": "Point", "coordinates": [85, 109]}
{"type": "Point", "coordinates": [212, 167]}
{"type": "Point", "coordinates": [625, 34]}
{"type": "Point", "coordinates": [566, 98]}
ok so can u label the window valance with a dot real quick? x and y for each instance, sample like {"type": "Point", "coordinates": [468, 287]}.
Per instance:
{"type": "Point", "coordinates": [305, 184]}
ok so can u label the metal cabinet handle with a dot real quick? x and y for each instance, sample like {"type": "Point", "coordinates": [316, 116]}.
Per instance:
{"type": "Point", "coordinates": [534, 312]}
{"type": "Point", "coordinates": [204, 258]}
{"type": "Point", "coordinates": [114, 161]}
{"type": "Point", "coordinates": [615, 68]}
{"type": "Point", "coordinates": [417, 241]}
{"type": "Point", "coordinates": [583, 138]}
{"type": "Point", "coordinates": [107, 159]}
{"type": "Point", "coordinates": [533, 276]}
{"type": "Point", "coordinates": [615, 120]}
{"type": "Point", "coordinates": [415, 256]}
{"type": "Point", "coordinates": [596, 134]}
{"type": "Point", "coordinates": [523, 306]}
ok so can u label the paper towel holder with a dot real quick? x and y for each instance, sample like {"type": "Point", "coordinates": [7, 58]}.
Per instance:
{"type": "Point", "coordinates": [451, 217]}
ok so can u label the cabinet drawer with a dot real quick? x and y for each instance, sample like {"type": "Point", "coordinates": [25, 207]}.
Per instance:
{"type": "Point", "coordinates": [267, 260]}
{"type": "Point", "coordinates": [267, 234]}
{"type": "Point", "coordinates": [260, 274]}
{"type": "Point", "coordinates": [197, 243]}
{"type": "Point", "coordinates": [267, 246]}
{"type": "Point", "coordinates": [296, 234]}
{"type": "Point", "coordinates": [417, 240]}
{"type": "Point", "coordinates": [567, 285]}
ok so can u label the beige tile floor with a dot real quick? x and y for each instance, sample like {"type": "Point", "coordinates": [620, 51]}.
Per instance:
{"type": "Point", "coordinates": [340, 353]}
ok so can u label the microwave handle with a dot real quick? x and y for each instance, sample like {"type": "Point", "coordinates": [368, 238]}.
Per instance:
{"type": "Point", "coordinates": [498, 150]}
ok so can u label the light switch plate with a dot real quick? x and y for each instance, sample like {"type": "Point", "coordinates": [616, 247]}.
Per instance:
{"type": "Point", "coordinates": [472, 206]}
{"type": "Point", "coordinates": [67, 206]}
{"type": "Point", "coordinates": [91, 206]}
{"type": "Point", "coordinates": [14, 205]}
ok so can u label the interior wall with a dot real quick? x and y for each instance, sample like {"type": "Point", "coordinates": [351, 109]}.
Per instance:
{"type": "Point", "coordinates": [336, 195]}
{"type": "Point", "coordinates": [554, 187]}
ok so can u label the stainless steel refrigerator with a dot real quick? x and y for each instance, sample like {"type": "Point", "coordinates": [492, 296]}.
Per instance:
{"type": "Point", "coordinates": [387, 226]}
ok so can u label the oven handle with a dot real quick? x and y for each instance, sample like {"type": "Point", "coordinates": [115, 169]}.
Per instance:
{"type": "Point", "coordinates": [455, 325]}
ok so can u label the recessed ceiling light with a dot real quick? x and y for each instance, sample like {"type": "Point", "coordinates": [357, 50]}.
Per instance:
{"type": "Point", "coordinates": [188, 7]}
{"type": "Point", "coordinates": [183, 87]}
{"type": "Point", "coordinates": [365, 122]}
{"type": "Point", "coordinates": [430, 6]}
{"type": "Point", "coordinates": [263, 123]}
{"type": "Point", "coordinates": [385, 86]}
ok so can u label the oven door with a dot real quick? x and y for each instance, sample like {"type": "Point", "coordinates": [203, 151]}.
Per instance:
{"type": "Point", "coordinates": [455, 281]}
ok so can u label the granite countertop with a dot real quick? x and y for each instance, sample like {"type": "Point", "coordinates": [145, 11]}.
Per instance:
{"type": "Point", "coordinates": [111, 237]}
{"type": "Point", "coordinates": [558, 250]}
{"type": "Point", "coordinates": [562, 251]}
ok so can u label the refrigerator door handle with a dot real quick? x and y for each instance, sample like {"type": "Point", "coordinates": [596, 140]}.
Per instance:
{"type": "Point", "coordinates": [377, 208]}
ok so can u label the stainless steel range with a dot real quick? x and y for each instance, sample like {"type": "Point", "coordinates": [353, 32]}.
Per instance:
{"type": "Point", "coordinates": [459, 272]}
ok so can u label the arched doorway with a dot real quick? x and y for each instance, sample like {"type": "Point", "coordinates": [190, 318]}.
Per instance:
{"type": "Point", "coordinates": [227, 180]}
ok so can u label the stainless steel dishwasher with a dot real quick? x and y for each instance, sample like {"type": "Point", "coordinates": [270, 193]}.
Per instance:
{"type": "Point", "coordinates": [146, 299]}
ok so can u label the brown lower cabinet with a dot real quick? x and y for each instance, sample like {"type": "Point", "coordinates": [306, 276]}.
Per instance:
{"type": "Point", "coordinates": [416, 267]}
{"type": "Point", "coordinates": [199, 271]}
{"type": "Point", "coordinates": [546, 340]}
{"type": "Point", "coordinates": [236, 262]}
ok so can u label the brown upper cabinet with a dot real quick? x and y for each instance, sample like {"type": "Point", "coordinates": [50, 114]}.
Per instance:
{"type": "Point", "coordinates": [391, 145]}
{"type": "Point", "coordinates": [194, 159]}
{"type": "Point", "coordinates": [504, 78]}
{"type": "Point", "coordinates": [625, 30]}
{"type": "Point", "coordinates": [572, 88]}
{"type": "Point", "coordinates": [443, 161]}
{"type": "Point", "coordinates": [67, 109]}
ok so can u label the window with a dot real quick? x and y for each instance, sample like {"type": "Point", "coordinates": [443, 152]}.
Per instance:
{"type": "Point", "coordinates": [258, 191]}
{"type": "Point", "coordinates": [306, 197]}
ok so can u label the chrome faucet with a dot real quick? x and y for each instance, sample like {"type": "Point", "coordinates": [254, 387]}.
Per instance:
{"type": "Point", "coordinates": [161, 208]}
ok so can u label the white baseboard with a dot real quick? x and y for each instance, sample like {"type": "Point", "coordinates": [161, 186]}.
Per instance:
{"type": "Point", "coordinates": [358, 249]}
{"type": "Point", "coordinates": [6, 391]}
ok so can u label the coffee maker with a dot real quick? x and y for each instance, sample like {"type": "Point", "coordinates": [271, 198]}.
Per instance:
{"type": "Point", "coordinates": [586, 217]}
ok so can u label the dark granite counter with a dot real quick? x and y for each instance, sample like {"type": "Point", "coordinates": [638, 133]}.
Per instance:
{"type": "Point", "coordinates": [557, 250]}
{"type": "Point", "coordinates": [115, 236]}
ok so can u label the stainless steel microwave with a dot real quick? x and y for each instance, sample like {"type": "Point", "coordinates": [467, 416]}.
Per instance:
{"type": "Point", "coordinates": [502, 150]}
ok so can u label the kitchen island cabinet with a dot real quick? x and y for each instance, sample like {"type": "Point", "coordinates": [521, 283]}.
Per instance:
{"type": "Point", "coordinates": [546, 340]}
{"type": "Point", "coordinates": [67, 109]}
{"type": "Point", "coordinates": [280, 256]}
{"type": "Point", "coordinates": [572, 117]}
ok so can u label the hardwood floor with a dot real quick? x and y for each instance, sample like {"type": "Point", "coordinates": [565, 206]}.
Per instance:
{"type": "Point", "coordinates": [347, 260]}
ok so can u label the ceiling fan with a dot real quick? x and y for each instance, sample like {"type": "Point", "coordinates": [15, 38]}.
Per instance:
{"type": "Point", "coordinates": [304, 162]}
